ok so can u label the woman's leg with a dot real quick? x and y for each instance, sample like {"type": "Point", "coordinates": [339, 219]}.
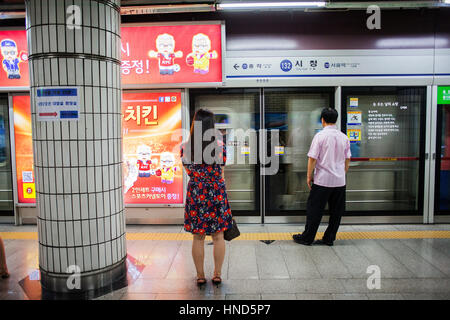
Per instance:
{"type": "Point", "coordinates": [219, 252]}
{"type": "Point", "coordinates": [198, 254]}
{"type": "Point", "coordinates": [3, 267]}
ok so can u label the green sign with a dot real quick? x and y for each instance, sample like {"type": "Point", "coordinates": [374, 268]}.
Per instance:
{"type": "Point", "coordinates": [443, 95]}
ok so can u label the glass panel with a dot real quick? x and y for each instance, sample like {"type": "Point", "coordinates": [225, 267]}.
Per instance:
{"type": "Point", "coordinates": [236, 109]}
{"type": "Point", "coordinates": [6, 195]}
{"type": "Point", "coordinates": [384, 127]}
{"type": "Point", "coordinates": [444, 172]}
{"type": "Point", "coordinates": [297, 117]}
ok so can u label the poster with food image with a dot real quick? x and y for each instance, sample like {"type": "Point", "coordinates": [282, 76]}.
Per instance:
{"type": "Point", "coordinates": [151, 147]}
{"type": "Point", "coordinates": [24, 149]}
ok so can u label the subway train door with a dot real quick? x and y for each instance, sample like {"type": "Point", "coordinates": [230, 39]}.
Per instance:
{"type": "Point", "coordinates": [293, 115]}
{"type": "Point", "coordinates": [237, 109]}
{"type": "Point", "coordinates": [277, 122]}
{"type": "Point", "coordinates": [442, 180]}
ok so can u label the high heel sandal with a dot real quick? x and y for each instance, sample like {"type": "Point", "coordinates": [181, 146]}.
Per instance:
{"type": "Point", "coordinates": [216, 280]}
{"type": "Point", "coordinates": [201, 281]}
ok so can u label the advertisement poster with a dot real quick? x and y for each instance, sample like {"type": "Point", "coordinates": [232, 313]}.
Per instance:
{"type": "Point", "coordinates": [354, 135]}
{"type": "Point", "coordinates": [354, 118]}
{"type": "Point", "coordinates": [14, 56]}
{"type": "Point", "coordinates": [24, 149]}
{"type": "Point", "coordinates": [171, 54]}
{"type": "Point", "coordinates": [151, 145]}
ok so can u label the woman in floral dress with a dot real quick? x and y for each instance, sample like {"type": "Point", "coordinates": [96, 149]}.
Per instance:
{"type": "Point", "coordinates": [207, 211]}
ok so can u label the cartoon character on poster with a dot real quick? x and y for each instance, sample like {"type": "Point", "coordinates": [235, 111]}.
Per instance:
{"type": "Point", "coordinates": [165, 44]}
{"type": "Point", "coordinates": [168, 168]}
{"type": "Point", "coordinates": [142, 168]}
{"type": "Point", "coordinates": [200, 55]}
{"type": "Point", "coordinates": [11, 58]}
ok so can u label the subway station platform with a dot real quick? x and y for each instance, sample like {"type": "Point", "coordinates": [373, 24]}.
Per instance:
{"type": "Point", "coordinates": [414, 263]}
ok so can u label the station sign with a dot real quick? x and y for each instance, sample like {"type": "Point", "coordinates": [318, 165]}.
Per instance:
{"type": "Point", "coordinates": [57, 103]}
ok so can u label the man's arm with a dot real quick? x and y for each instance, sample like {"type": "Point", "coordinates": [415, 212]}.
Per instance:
{"type": "Point", "coordinates": [347, 164]}
{"type": "Point", "coordinates": [311, 166]}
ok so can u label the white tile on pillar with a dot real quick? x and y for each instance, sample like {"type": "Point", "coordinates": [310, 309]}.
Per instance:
{"type": "Point", "coordinates": [57, 260]}
{"type": "Point", "coordinates": [94, 14]}
{"type": "Point", "coordinates": [76, 209]}
{"type": "Point", "coordinates": [62, 234]}
{"type": "Point", "coordinates": [60, 205]}
{"type": "Point", "coordinates": [91, 179]}
{"type": "Point", "coordinates": [85, 232]}
{"type": "Point", "coordinates": [108, 253]}
{"type": "Point", "coordinates": [83, 179]}
{"type": "Point", "coordinates": [58, 153]}
{"type": "Point", "coordinates": [75, 186]}
{"type": "Point", "coordinates": [107, 220]}
{"type": "Point", "coordinates": [61, 30]}
{"type": "Point", "coordinates": [102, 255]}
{"type": "Point", "coordinates": [51, 153]}
{"type": "Point", "coordinates": [93, 231]}
{"type": "Point", "coordinates": [71, 66]}
{"type": "Point", "coordinates": [101, 230]}
{"type": "Point", "coordinates": [64, 259]}
{"type": "Point", "coordinates": [43, 257]}
{"type": "Point", "coordinates": [55, 239]}
{"type": "Point", "coordinates": [100, 209]}
{"type": "Point", "coordinates": [79, 258]}
{"type": "Point", "coordinates": [47, 71]}
{"type": "Point", "coordinates": [77, 233]}
{"type": "Point", "coordinates": [67, 180]}
{"type": "Point", "coordinates": [71, 256]}
{"type": "Point", "coordinates": [87, 258]}
{"type": "Point", "coordinates": [70, 42]}
{"type": "Point", "coordinates": [44, 154]}
{"type": "Point", "coordinates": [114, 251]}
{"type": "Point", "coordinates": [68, 206]}
{"type": "Point", "coordinates": [45, 39]}
{"type": "Point", "coordinates": [50, 259]}
{"type": "Point", "coordinates": [70, 234]}
{"type": "Point", "coordinates": [98, 179]}
{"type": "Point", "coordinates": [54, 62]}
{"type": "Point", "coordinates": [89, 126]}
{"type": "Point", "coordinates": [106, 183]}
{"type": "Point", "coordinates": [78, 42]}
{"type": "Point", "coordinates": [53, 208]}
{"type": "Point", "coordinates": [90, 153]}
{"type": "Point", "coordinates": [94, 257]}
{"type": "Point", "coordinates": [87, 41]}
{"type": "Point", "coordinates": [81, 153]}
{"type": "Point", "coordinates": [59, 180]}
{"type": "Point", "coordinates": [74, 153]}
{"type": "Point", "coordinates": [60, 12]}
{"type": "Point", "coordinates": [62, 69]}
{"type": "Point", "coordinates": [92, 206]}
{"type": "Point", "coordinates": [84, 206]}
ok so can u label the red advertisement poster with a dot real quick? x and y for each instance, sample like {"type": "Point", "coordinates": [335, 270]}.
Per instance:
{"type": "Point", "coordinates": [151, 143]}
{"type": "Point", "coordinates": [171, 54]}
{"type": "Point", "coordinates": [14, 58]}
{"type": "Point", "coordinates": [24, 149]}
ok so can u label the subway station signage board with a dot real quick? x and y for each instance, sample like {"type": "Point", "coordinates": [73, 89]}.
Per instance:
{"type": "Point", "coordinates": [178, 54]}
{"type": "Point", "coordinates": [152, 168]}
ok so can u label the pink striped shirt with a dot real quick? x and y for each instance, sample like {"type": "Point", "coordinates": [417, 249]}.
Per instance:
{"type": "Point", "coordinates": [330, 148]}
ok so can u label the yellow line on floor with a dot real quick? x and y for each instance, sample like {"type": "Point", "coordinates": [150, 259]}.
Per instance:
{"type": "Point", "coordinates": [424, 234]}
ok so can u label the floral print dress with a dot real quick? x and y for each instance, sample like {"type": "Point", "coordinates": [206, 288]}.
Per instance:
{"type": "Point", "coordinates": [207, 210]}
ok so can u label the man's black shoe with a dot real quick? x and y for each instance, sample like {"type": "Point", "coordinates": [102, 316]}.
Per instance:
{"type": "Point", "coordinates": [322, 242]}
{"type": "Point", "coordinates": [298, 239]}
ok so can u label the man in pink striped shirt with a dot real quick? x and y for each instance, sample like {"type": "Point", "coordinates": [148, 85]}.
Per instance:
{"type": "Point", "coordinates": [329, 158]}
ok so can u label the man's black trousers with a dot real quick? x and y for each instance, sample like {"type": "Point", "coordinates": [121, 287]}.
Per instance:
{"type": "Point", "coordinates": [318, 197]}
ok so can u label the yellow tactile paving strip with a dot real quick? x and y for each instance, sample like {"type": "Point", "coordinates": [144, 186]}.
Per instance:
{"type": "Point", "coordinates": [356, 235]}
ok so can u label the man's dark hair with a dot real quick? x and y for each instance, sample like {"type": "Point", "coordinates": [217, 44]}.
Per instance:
{"type": "Point", "coordinates": [329, 115]}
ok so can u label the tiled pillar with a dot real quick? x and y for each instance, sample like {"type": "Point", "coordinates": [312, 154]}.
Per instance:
{"type": "Point", "coordinates": [77, 164]}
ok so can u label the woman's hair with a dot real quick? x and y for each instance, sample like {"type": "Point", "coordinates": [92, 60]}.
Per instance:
{"type": "Point", "coordinates": [198, 142]}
